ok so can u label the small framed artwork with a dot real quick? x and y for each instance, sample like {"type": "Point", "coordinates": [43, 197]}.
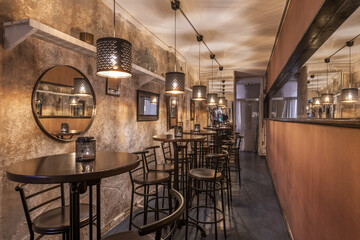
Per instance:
{"type": "Point", "coordinates": [172, 111]}
{"type": "Point", "coordinates": [192, 110]}
{"type": "Point", "coordinates": [113, 87]}
{"type": "Point", "coordinates": [147, 106]}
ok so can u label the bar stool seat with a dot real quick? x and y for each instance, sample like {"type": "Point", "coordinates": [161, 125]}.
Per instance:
{"type": "Point", "coordinates": [150, 178]}
{"type": "Point", "coordinates": [168, 168]}
{"type": "Point", "coordinates": [57, 220]}
{"type": "Point", "coordinates": [204, 174]}
{"type": "Point", "coordinates": [130, 235]}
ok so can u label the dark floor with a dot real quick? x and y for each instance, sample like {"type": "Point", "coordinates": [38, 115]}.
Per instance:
{"type": "Point", "coordinates": [255, 212]}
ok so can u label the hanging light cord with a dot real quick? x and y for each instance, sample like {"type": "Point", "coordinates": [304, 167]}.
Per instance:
{"type": "Point", "coordinates": [199, 65]}
{"type": "Point", "coordinates": [114, 17]}
{"type": "Point", "coordinates": [212, 74]}
{"type": "Point", "coordinates": [349, 66]}
{"type": "Point", "coordinates": [327, 76]}
{"type": "Point", "coordinates": [175, 41]}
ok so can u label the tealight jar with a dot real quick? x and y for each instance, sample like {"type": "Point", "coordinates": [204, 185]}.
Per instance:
{"type": "Point", "coordinates": [197, 128]}
{"type": "Point", "coordinates": [85, 149]}
{"type": "Point", "coordinates": [178, 131]}
{"type": "Point", "coordinates": [64, 127]}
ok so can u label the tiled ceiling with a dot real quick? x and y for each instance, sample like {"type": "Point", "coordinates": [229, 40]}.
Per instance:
{"type": "Point", "coordinates": [241, 33]}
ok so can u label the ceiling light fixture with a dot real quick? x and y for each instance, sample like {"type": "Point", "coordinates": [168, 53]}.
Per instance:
{"type": "Point", "coordinates": [212, 98]}
{"type": "Point", "coordinates": [327, 98]}
{"type": "Point", "coordinates": [317, 99]}
{"type": "Point", "coordinates": [113, 56]}
{"type": "Point", "coordinates": [222, 100]}
{"type": "Point", "coordinates": [175, 81]}
{"type": "Point", "coordinates": [199, 91]}
{"type": "Point", "coordinates": [349, 95]}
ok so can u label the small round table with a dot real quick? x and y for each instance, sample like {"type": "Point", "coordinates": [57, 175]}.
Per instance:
{"type": "Point", "coordinates": [64, 168]}
{"type": "Point", "coordinates": [218, 135]}
{"type": "Point", "coordinates": [201, 132]}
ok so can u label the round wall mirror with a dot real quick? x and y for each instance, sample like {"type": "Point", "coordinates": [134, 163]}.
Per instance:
{"type": "Point", "coordinates": [63, 103]}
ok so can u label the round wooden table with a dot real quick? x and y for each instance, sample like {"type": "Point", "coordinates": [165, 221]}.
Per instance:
{"type": "Point", "coordinates": [202, 132]}
{"type": "Point", "coordinates": [64, 168]}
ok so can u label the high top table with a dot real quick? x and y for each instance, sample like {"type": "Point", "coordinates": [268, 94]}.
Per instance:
{"type": "Point", "coordinates": [63, 168]}
{"type": "Point", "coordinates": [175, 140]}
{"type": "Point", "coordinates": [218, 137]}
{"type": "Point", "coordinates": [201, 132]}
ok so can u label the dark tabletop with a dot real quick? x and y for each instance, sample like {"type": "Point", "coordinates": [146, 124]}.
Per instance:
{"type": "Point", "coordinates": [71, 132]}
{"type": "Point", "coordinates": [219, 128]}
{"type": "Point", "coordinates": [63, 168]}
{"type": "Point", "coordinates": [202, 132]}
{"type": "Point", "coordinates": [184, 138]}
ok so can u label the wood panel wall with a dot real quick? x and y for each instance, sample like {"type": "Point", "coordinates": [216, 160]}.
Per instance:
{"type": "Point", "coordinates": [298, 18]}
{"type": "Point", "coordinates": [316, 173]}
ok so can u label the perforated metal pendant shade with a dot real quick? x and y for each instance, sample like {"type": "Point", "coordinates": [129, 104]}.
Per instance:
{"type": "Point", "coordinates": [317, 101]}
{"type": "Point", "coordinates": [113, 57]}
{"type": "Point", "coordinates": [349, 95]}
{"type": "Point", "coordinates": [221, 101]}
{"type": "Point", "coordinates": [81, 87]}
{"type": "Point", "coordinates": [175, 82]}
{"type": "Point", "coordinates": [199, 93]}
{"type": "Point", "coordinates": [212, 99]}
{"type": "Point", "coordinates": [327, 98]}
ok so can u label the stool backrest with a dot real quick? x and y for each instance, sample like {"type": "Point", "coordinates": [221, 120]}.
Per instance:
{"type": "Point", "coordinates": [25, 198]}
{"type": "Point", "coordinates": [171, 219]}
{"type": "Point", "coordinates": [166, 148]}
{"type": "Point", "coordinates": [150, 156]}
{"type": "Point", "coordinates": [141, 168]}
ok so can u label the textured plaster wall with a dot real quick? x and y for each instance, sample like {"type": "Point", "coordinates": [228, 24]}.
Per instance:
{"type": "Point", "coordinates": [115, 127]}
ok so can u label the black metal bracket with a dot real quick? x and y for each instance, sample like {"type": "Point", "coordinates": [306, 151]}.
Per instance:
{"type": "Point", "coordinates": [312, 75]}
{"type": "Point", "coordinates": [327, 60]}
{"type": "Point", "coordinates": [350, 43]}
{"type": "Point", "coordinates": [199, 38]}
{"type": "Point", "coordinates": [212, 56]}
{"type": "Point", "coordinates": [221, 67]}
{"type": "Point", "coordinates": [175, 5]}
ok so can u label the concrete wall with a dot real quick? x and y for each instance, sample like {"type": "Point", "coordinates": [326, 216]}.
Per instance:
{"type": "Point", "coordinates": [115, 127]}
{"type": "Point", "coordinates": [316, 173]}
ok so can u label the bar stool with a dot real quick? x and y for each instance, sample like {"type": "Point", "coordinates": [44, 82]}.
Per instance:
{"type": "Point", "coordinates": [142, 179]}
{"type": "Point", "coordinates": [233, 148]}
{"type": "Point", "coordinates": [55, 220]}
{"type": "Point", "coordinates": [157, 226]}
{"type": "Point", "coordinates": [211, 177]}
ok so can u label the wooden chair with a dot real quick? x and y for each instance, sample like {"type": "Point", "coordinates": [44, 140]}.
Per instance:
{"type": "Point", "coordinates": [157, 226]}
{"type": "Point", "coordinates": [53, 221]}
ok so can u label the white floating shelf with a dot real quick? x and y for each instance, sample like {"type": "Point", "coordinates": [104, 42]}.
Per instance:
{"type": "Point", "coordinates": [17, 31]}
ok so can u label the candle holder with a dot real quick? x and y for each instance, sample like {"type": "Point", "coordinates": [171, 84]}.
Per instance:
{"type": "Point", "coordinates": [64, 127]}
{"type": "Point", "coordinates": [85, 149]}
{"type": "Point", "coordinates": [197, 128]}
{"type": "Point", "coordinates": [85, 167]}
{"type": "Point", "coordinates": [178, 131]}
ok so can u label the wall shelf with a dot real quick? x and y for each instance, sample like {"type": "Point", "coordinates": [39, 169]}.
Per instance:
{"type": "Point", "coordinates": [17, 31]}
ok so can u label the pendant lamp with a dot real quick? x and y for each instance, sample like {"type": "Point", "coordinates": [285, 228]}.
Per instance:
{"type": "Point", "coordinates": [199, 91]}
{"type": "Point", "coordinates": [81, 87]}
{"type": "Point", "coordinates": [317, 99]}
{"type": "Point", "coordinates": [175, 81]}
{"type": "Point", "coordinates": [327, 98]}
{"type": "Point", "coordinates": [113, 56]}
{"type": "Point", "coordinates": [349, 95]}
{"type": "Point", "coordinates": [221, 102]}
{"type": "Point", "coordinates": [212, 98]}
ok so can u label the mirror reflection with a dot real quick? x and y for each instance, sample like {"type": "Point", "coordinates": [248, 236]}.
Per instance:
{"type": "Point", "coordinates": [147, 106]}
{"type": "Point", "coordinates": [63, 103]}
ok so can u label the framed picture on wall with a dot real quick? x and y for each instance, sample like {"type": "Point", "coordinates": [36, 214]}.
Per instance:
{"type": "Point", "coordinates": [192, 110]}
{"type": "Point", "coordinates": [172, 111]}
{"type": "Point", "coordinates": [113, 87]}
{"type": "Point", "coordinates": [147, 106]}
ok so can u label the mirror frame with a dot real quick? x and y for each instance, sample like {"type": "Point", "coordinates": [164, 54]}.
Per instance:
{"type": "Point", "coordinates": [34, 111]}
{"type": "Point", "coordinates": [168, 112]}
{"type": "Point", "coordinates": [144, 118]}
